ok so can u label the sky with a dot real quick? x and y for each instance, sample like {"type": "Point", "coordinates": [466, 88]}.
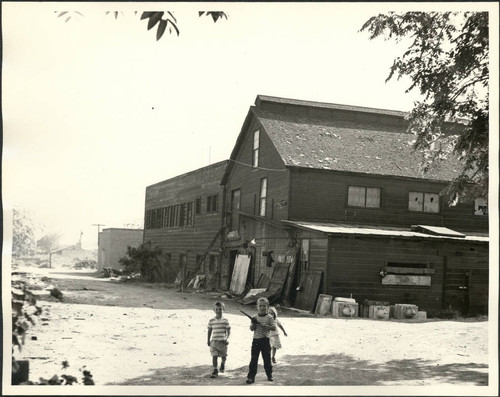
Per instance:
{"type": "Point", "coordinates": [95, 109]}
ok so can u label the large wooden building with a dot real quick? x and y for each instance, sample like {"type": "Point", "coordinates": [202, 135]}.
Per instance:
{"type": "Point", "coordinates": [341, 185]}
{"type": "Point", "coordinates": [340, 189]}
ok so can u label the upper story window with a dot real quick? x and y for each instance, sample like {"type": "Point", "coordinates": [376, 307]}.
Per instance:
{"type": "Point", "coordinates": [212, 203]}
{"type": "Point", "coordinates": [263, 197]}
{"type": "Point", "coordinates": [359, 196]}
{"type": "Point", "coordinates": [255, 152]}
{"type": "Point", "coordinates": [480, 206]}
{"type": "Point", "coordinates": [170, 217]}
{"type": "Point", "coordinates": [423, 202]}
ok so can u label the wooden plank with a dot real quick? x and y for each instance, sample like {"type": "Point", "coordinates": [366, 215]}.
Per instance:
{"type": "Point", "coordinates": [291, 258]}
{"type": "Point", "coordinates": [263, 281]}
{"type": "Point", "coordinates": [240, 273]}
{"type": "Point", "coordinates": [309, 289]}
{"type": "Point", "coordinates": [400, 279]}
{"type": "Point", "coordinates": [407, 270]}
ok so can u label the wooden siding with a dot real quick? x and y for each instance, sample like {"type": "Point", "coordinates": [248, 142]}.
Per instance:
{"type": "Point", "coordinates": [322, 196]}
{"type": "Point", "coordinates": [318, 254]}
{"type": "Point", "coordinates": [248, 179]}
{"type": "Point", "coordinates": [188, 240]}
{"type": "Point", "coordinates": [354, 266]}
{"type": "Point", "coordinates": [462, 262]}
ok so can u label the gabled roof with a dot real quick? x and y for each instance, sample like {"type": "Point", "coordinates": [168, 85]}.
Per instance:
{"type": "Point", "coordinates": [344, 138]}
{"type": "Point", "coordinates": [351, 146]}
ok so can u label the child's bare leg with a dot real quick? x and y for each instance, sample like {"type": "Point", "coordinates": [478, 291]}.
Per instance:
{"type": "Point", "coordinates": [214, 361]}
{"type": "Point", "coordinates": [274, 352]}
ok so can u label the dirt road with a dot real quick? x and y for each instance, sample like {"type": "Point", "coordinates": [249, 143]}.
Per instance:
{"type": "Point", "coordinates": [129, 333]}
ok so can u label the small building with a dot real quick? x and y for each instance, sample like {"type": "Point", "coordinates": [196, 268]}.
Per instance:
{"type": "Point", "coordinates": [113, 243]}
{"type": "Point", "coordinates": [183, 217]}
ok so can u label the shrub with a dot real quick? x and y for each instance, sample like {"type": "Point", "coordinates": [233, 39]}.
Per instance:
{"type": "Point", "coordinates": [85, 264]}
{"type": "Point", "coordinates": [145, 260]}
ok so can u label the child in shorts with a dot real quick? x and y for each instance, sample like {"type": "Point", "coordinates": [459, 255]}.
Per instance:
{"type": "Point", "coordinates": [218, 334]}
{"type": "Point", "coordinates": [274, 336]}
{"type": "Point", "coordinates": [261, 325]}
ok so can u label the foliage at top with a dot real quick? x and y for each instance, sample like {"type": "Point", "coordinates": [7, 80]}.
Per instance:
{"type": "Point", "coordinates": [164, 20]}
{"type": "Point", "coordinates": [448, 62]}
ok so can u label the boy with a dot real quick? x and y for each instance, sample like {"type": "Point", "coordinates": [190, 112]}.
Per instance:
{"type": "Point", "coordinates": [218, 334]}
{"type": "Point", "coordinates": [261, 325]}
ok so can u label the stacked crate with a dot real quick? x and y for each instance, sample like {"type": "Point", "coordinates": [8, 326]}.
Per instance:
{"type": "Point", "coordinates": [405, 311]}
{"type": "Point", "coordinates": [378, 310]}
{"type": "Point", "coordinates": [344, 308]}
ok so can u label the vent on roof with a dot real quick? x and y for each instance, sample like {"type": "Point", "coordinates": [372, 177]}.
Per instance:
{"type": "Point", "coordinates": [436, 231]}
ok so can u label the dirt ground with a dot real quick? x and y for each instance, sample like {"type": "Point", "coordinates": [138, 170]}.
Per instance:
{"type": "Point", "coordinates": [132, 333]}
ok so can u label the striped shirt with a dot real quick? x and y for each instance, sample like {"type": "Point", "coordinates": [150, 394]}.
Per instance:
{"type": "Point", "coordinates": [259, 331]}
{"type": "Point", "coordinates": [219, 327]}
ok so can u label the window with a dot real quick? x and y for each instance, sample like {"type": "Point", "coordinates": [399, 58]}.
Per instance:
{"type": "Point", "coordinates": [198, 206]}
{"type": "Point", "coordinates": [423, 202]}
{"type": "Point", "coordinates": [480, 206]}
{"type": "Point", "coordinates": [235, 209]}
{"type": "Point", "coordinates": [255, 152]}
{"type": "Point", "coordinates": [359, 196]}
{"type": "Point", "coordinates": [212, 264]}
{"type": "Point", "coordinates": [171, 216]}
{"type": "Point", "coordinates": [212, 203]}
{"type": "Point", "coordinates": [263, 197]}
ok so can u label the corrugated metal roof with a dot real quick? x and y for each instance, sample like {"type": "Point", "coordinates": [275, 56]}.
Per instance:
{"type": "Point", "coordinates": [351, 146]}
{"type": "Point", "coordinates": [437, 230]}
{"type": "Point", "coordinates": [332, 228]}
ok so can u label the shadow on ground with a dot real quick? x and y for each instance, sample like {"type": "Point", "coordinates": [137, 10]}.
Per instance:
{"type": "Point", "coordinates": [325, 370]}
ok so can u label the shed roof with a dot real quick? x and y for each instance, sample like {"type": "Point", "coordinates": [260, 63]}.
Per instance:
{"type": "Point", "coordinates": [348, 145]}
{"type": "Point", "coordinates": [336, 229]}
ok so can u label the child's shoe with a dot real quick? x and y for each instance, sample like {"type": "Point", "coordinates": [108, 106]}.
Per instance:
{"type": "Point", "coordinates": [274, 360]}
{"type": "Point", "coordinates": [215, 373]}
{"type": "Point", "coordinates": [222, 368]}
{"type": "Point", "coordinates": [250, 380]}
{"type": "Point", "coordinates": [270, 379]}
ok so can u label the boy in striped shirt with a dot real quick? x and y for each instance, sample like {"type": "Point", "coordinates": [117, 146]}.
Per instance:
{"type": "Point", "coordinates": [218, 334]}
{"type": "Point", "coordinates": [261, 325]}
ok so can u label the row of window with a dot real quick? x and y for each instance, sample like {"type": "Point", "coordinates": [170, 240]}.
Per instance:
{"type": "Point", "coordinates": [171, 216]}
{"type": "Point", "coordinates": [178, 215]}
{"type": "Point", "coordinates": [369, 197]}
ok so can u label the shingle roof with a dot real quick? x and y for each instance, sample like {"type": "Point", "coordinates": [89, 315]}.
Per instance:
{"type": "Point", "coordinates": [347, 145]}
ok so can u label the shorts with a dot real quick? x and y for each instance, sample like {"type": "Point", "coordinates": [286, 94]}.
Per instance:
{"type": "Point", "coordinates": [275, 341]}
{"type": "Point", "coordinates": [218, 348]}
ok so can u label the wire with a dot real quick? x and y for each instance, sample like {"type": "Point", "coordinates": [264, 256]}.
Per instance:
{"type": "Point", "coordinates": [259, 168]}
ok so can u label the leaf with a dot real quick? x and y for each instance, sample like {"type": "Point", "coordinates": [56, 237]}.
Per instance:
{"type": "Point", "coordinates": [154, 19]}
{"type": "Point", "coordinates": [172, 16]}
{"type": "Point", "coordinates": [146, 14]}
{"type": "Point", "coordinates": [161, 29]}
{"type": "Point", "coordinates": [62, 13]}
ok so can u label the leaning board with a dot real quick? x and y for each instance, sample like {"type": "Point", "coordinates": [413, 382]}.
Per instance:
{"type": "Point", "coordinates": [240, 273]}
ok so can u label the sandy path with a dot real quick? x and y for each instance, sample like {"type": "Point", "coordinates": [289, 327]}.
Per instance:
{"type": "Point", "coordinates": [142, 334]}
